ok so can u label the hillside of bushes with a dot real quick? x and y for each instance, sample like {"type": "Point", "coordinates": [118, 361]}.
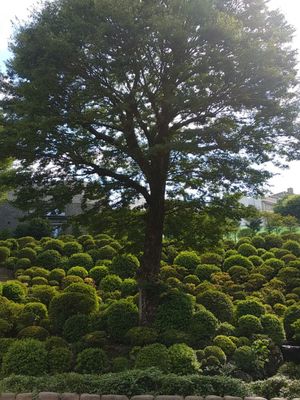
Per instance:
{"type": "Point", "coordinates": [73, 307]}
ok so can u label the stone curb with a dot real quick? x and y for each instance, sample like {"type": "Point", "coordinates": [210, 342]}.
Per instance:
{"type": "Point", "coordinates": [87, 396]}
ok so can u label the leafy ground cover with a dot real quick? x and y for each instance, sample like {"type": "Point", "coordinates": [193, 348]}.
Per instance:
{"type": "Point", "coordinates": [73, 307]}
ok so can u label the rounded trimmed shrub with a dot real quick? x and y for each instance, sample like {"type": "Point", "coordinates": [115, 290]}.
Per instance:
{"type": "Point", "coordinates": [246, 249]}
{"type": "Point", "coordinates": [129, 287]}
{"type": "Point", "coordinates": [25, 357]}
{"type": "Point", "coordinates": [237, 260]}
{"type": "Point", "coordinates": [273, 328]}
{"type": "Point", "coordinates": [205, 271]}
{"type": "Point", "coordinates": [81, 260]}
{"type": "Point", "coordinates": [203, 326]}
{"type": "Point", "coordinates": [43, 293]}
{"type": "Point", "coordinates": [291, 315]}
{"type": "Point", "coordinates": [217, 352]}
{"type": "Point", "coordinates": [78, 271]}
{"type": "Point", "coordinates": [106, 252]}
{"type": "Point", "coordinates": [125, 265]}
{"type": "Point", "coordinates": [238, 274]}
{"type": "Point", "coordinates": [54, 244]}
{"type": "Point", "coordinates": [76, 327]}
{"type": "Point", "coordinates": [154, 355]}
{"type": "Point", "coordinates": [39, 280]}
{"type": "Point", "coordinates": [71, 248]}
{"type": "Point", "coordinates": [70, 280]}
{"type": "Point", "coordinates": [225, 343]}
{"type": "Point", "coordinates": [211, 258]}
{"type": "Point", "coordinates": [141, 335]}
{"type": "Point", "coordinates": [57, 274]}
{"type": "Point", "coordinates": [110, 283]}
{"type": "Point", "coordinates": [14, 290]}
{"type": "Point", "coordinates": [174, 312]}
{"type": "Point", "coordinates": [121, 316]}
{"type": "Point", "coordinates": [218, 303]}
{"type": "Point", "coordinates": [27, 252]}
{"type": "Point", "coordinates": [92, 361]}
{"type": "Point", "coordinates": [4, 254]}
{"type": "Point", "coordinates": [98, 273]}
{"type": "Point", "coordinates": [272, 241]}
{"type": "Point", "coordinates": [244, 358]}
{"type": "Point", "coordinates": [183, 359]}
{"type": "Point", "coordinates": [292, 246]}
{"type": "Point", "coordinates": [250, 306]}
{"type": "Point", "coordinates": [33, 332]}
{"type": "Point", "coordinates": [60, 360]}
{"type": "Point", "coordinates": [39, 310]}
{"type": "Point", "coordinates": [188, 260]}
{"type": "Point", "coordinates": [249, 325]}
{"type": "Point", "coordinates": [49, 259]}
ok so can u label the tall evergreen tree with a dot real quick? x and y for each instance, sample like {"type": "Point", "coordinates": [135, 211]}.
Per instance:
{"type": "Point", "coordinates": [149, 98]}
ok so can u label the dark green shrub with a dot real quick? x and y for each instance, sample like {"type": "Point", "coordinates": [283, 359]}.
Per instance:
{"type": "Point", "coordinates": [54, 244]}
{"type": "Point", "coordinates": [274, 263]}
{"type": "Point", "coordinates": [238, 274]}
{"type": "Point", "coordinates": [25, 241]}
{"type": "Point", "coordinates": [290, 276]}
{"type": "Point", "coordinates": [38, 309]}
{"type": "Point", "coordinates": [82, 260]}
{"type": "Point", "coordinates": [211, 258]}
{"type": "Point", "coordinates": [249, 325]}
{"type": "Point", "coordinates": [37, 272]}
{"type": "Point", "coordinates": [49, 259]}
{"type": "Point", "coordinates": [258, 241]}
{"type": "Point", "coordinates": [249, 306]}
{"type": "Point", "coordinates": [23, 263]}
{"type": "Point", "coordinates": [121, 316]}
{"type": "Point", "coordinates": [67, 304]}
{"type": "Point", "coordinates": [255, 281]}
{"type": "Point", "coordinates": [14, 290]}
{"type": "Point", "coordinates": [273, 327]}
{"type": "Point", "coordinates": [188, 260]}
{"type": "Point", "coordinates": [290, 316]}
{"type": "Point", "coordinates": [125, 265]}
{"type": "Point", "coordinates": [5, 344]}
{"type": "Point", "coordinates": [293, 247]}
{"type": "Point", "coordinates": [54, 342]}
{"type": "Point", "coordinates": [174, 312]}
{"type": "Point", "coordinates": [141, 335]}
{"type": "Point", "coordinates": [288, 258]}
{"type": "Point", "coordinates": [5, 327]}
{"type": "Point", "coordinates": [266, 271]}
{"type": "Point", "coordinates": [204, 271]}
{"type": "Point", "coordinates": [129, 287]}
{"type": "Point", "coordinates": [69, 280]}
{"type": "Point", "coordinates": [43, 293]}
{"type": "Point", "coordinates": [246, 249]}
{"type": "Point", "coordinates": [71, 248]}
{"type": "Point", "coordinates": [183, 360]}
{"type": "Point", "coordinates": [25, 357]}
{"type": "Point", "coordinates": [256, 260]}
{"type": "Point", "coordinates": [225, 329]}
{"type": "Point", "coordinates": [92, 361]}
{"type": "Point", "coordinates": [33, 332]}
{"type": "Point", "coordinates": [273, 297]}
{"type": "Point", "coordinates": [173, 336]}
{"type": "Point", "coordinates": [27, 252]}
{"type": "Point", "coordinates": [57, 274]}
{"type": "Point", "coordinates": [154, 355]}
{"type": "Point", "coordinates": [244, 358]}
{"type": "Point", "coordinates": [272, 241]}
{"type": "Point", "coordinates": [217, 352]}
{"type": "Point", "coordinates": [60, 360]}
{"type": "Point", "coordinates": [225, 343]}
{"type": "Point", "coordinates": [120, 364]}
{"type": "Point", "coordinates": [218, 303]}
{"type": "Point", "coordinates": [191, 279]}
{"type": "Point", "coordinates": [78, 271]}
{"type": "Point", "coordinates": [39, 280]}
{"type": "Point", "coordinates": [76, 327]}
{"type": "Point", "coordinates": [106, 253]}
{"type": "Point", "coordinates": [203, 326]}
{"type": "Point", "coordinates": [267, 255]}
{"type": "Point", "coordinates": [237, 260]}
{"type": "Point", "coordinates": [110, 283]}
{"type": "Point", "coordinates": [87, 290]}
{"type": "Point", "coordinates": [98, 273]}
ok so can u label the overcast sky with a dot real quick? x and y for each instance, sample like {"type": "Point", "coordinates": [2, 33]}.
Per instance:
{"type": "Point", "coordinates": [12, 9]}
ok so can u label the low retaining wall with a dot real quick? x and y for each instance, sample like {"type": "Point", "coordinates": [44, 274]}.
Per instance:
{"type": "Point", "coordinates": [85, 396]}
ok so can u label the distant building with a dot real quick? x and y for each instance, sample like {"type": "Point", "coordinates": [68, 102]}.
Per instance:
{"type": "Point", "coordinates": [266, 203]}
{"type": "Point", "coordinates": [10, 216]}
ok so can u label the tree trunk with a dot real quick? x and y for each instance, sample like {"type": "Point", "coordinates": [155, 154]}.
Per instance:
{"type": "Point", "coordinates": [148, 277]}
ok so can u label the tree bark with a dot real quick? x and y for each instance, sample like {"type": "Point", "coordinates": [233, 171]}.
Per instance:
{"type": "Point", "coordinates": [148, 278]}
